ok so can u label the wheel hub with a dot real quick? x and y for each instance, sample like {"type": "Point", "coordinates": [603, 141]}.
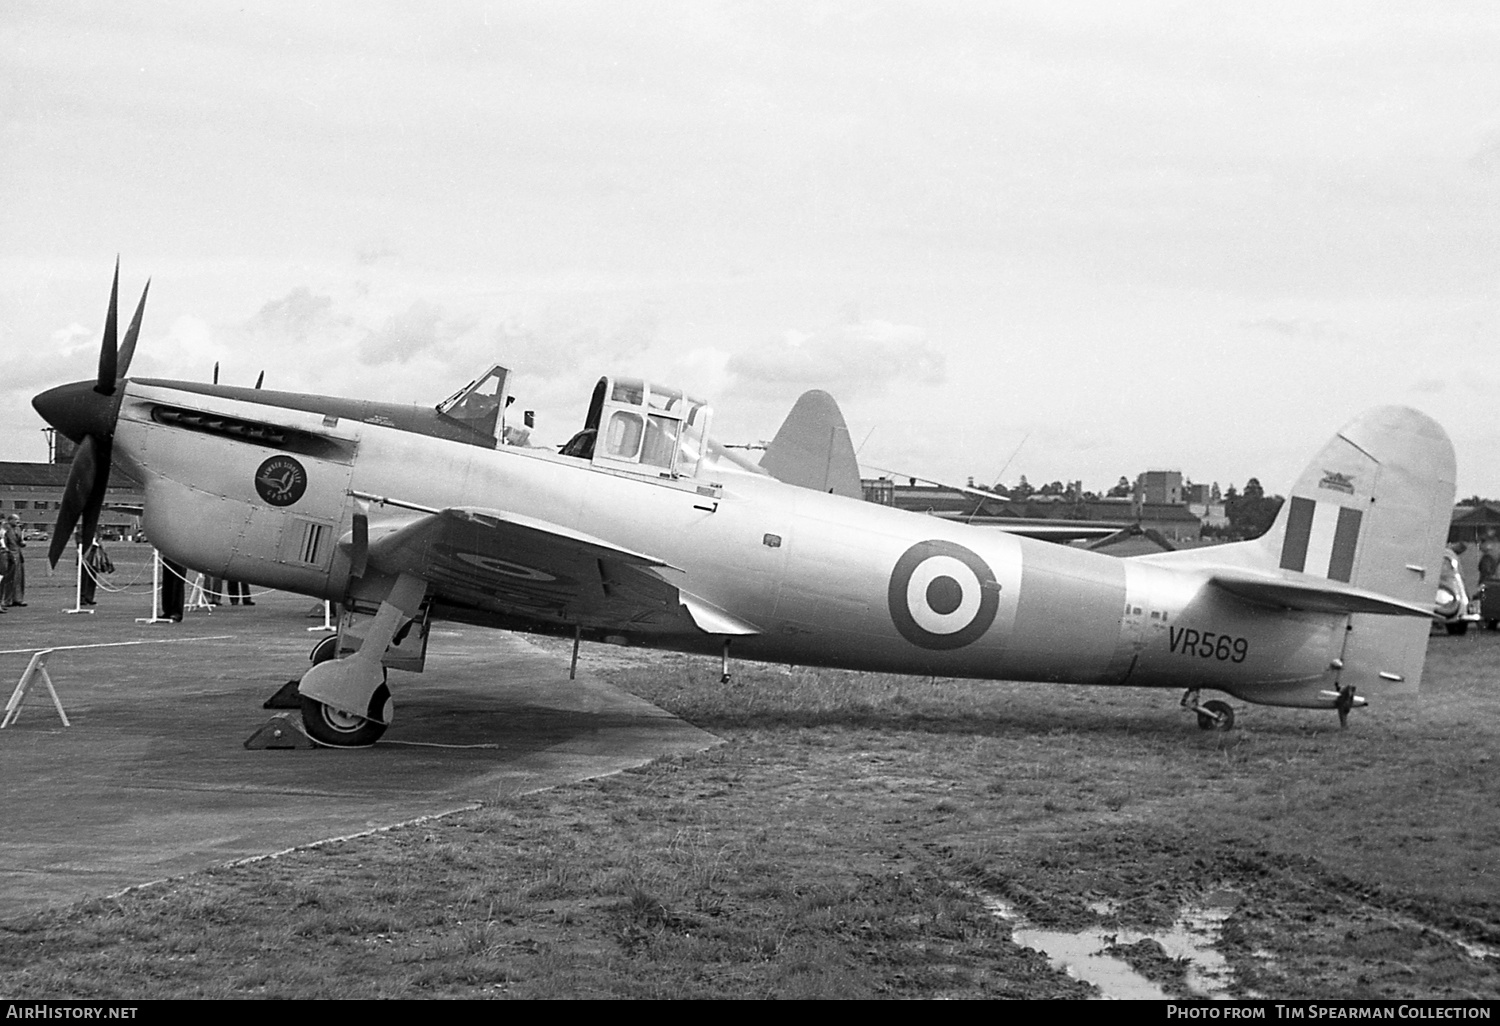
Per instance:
{"type": "Point", "coordinates": [342, 720]}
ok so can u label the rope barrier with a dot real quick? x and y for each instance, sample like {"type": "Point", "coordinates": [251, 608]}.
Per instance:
{"type": "Point", "coordinates": [159, 565]}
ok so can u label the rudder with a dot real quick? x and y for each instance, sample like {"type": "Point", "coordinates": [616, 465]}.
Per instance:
{"type": "Point", "coordinates": [1372, 510]}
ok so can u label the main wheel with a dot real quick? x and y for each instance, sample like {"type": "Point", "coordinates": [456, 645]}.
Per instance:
{"type": "Point", "coordinates": [1458, 627]}
{"type": "Point", "coordinates": [324, 650]}
{"type": "Point", "coordinates": [1216, 715]}
{"type": "Point", "coordinates": [337, 728]}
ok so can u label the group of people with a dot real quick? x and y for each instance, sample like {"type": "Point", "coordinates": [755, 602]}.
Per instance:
{"type": "Point", "coordinates": [96, 564]}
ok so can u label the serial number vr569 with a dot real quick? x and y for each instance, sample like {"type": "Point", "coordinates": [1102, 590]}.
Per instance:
{"type": "Point", "coordinates": [1207, 645]}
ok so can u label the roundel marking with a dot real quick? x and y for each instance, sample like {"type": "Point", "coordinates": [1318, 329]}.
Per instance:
{"type": "Point", "coordinates": [281, 480]}
{"type": "Point", "coordinates": [494, 564]}
{"type": "Point", "coordinates": [942, 595]}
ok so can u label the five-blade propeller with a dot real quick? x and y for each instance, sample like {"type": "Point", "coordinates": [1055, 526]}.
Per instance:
{"type": "Point", "coordinates": [85, 412]}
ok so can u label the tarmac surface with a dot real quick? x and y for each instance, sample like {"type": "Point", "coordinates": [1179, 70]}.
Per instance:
{"type": "Point", "coordinates": [153, 781]}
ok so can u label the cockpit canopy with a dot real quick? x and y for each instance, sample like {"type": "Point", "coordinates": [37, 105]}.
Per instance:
{"type": "Point", "coordinates": [481, 403]}
{"type": "Point", "coordinates": [638, 426]}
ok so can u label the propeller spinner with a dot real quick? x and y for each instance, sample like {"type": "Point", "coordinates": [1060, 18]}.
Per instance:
{"type": "Point", "coordinates": [85, 411]}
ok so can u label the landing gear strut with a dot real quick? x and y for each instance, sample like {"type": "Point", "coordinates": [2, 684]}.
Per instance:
{"type": "Point", "coordinates": [1343, 704]}
{"type": "Point", "coordinates": [1212, 715]}
{"type": "Point", "coordinates": [346, 702]}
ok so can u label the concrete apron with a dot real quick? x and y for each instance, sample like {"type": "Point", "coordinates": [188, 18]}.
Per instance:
{"type": "Point", "coordinates": [152, 780]}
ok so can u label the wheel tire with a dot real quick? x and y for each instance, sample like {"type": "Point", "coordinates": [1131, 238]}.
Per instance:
{"type": "Point", "coordinates": [1458, 627]}
{"type": "Point", "coordinates": [1216, 715]}
{"type": "Point", "coordinates": [337, 728]}
{"type": "Point", "coordinates": [326, 649]}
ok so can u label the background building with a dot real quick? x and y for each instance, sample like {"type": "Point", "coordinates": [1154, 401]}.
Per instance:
{"type": "Point", "coordinates": [34, 491]}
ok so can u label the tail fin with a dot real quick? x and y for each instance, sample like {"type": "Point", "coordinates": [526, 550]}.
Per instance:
{"type": "Point", "coordinates": [813, 450]}
{"type": "Point", "coordinates": [1371, 512]}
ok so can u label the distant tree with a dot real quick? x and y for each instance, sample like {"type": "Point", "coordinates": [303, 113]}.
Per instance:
{"type": "Point", "coordinates": [1052, 488]}
{"type": "Point", "coordinates": [1251, 514]}
{"type": "Point", "coordinates": [1123, 490]}
{"type": "Point", "coordinates": [1022, 490]}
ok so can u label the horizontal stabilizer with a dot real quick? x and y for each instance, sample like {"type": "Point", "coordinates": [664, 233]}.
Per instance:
{"type": "Point", "coordinates": [1312, 594]}
{"type": "Point", "coordinates": [1047, 530]}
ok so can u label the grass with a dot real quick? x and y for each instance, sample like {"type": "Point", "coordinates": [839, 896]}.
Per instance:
{"type": "Point", "coordinates": [842, 841]}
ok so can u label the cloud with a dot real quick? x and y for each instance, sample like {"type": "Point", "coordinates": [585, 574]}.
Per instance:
{"type": "Point", "coordinates": [1486, 160]}
{"type": "Point", "coordinates": [295, 316]}
{"type": "Point", "coordinates": [563, 341]}
{"type": "Point", "coordinates": [849, 360]}
{"type": "Point", "coordinates": [420, 330]}
{"type": "Point", "coordinates": [1295, 327]}
{"type": "Point", "coordinates": [73, 338]}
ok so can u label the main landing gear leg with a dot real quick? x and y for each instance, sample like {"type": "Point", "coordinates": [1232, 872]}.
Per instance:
{"type": "Point", "coordinates": [1212, 715]}
{"type": "Point", "coordinates": [724, 664]}
{"type": "Point", "coordinates": [1343, 704]}
{"type": "Point", "coordinates": [345, 702]}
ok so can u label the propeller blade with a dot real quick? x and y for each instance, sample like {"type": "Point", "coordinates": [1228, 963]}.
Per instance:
{"type": "Point", "coordinates": [216, 372]}
{"type": "Point", "coordinates": [260, 379]}
{"type": "Point", "coordinates": [108, 348]}
{"type": "Point", "coordinates": [127, 348]}
{"type": "Point", "coordinates": [75, 497]}
{"type": "Point", "coordinates": [95, 504]}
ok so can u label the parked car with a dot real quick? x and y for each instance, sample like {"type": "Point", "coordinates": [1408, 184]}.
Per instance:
{"type": "Point", "coordinates": [1453, 608]}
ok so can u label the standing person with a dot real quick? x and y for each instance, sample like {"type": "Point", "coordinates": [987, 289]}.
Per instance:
{"type": "Point", "coordinates": [1489, 562]}
{"type": "Point", "coordinates": [96, 563]}
{"type": "Point", "coordinates": [4, 572]}
{"type": "Point", "coordinates": [15, 579]}
{"type": "Point", "coordinates": [238, 590]}
{"type": "Point", "coordinates": [172, 596]}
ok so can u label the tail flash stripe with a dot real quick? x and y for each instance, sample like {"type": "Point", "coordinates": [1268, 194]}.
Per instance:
{"type": "Point", "coordinates": [1341, 563]}
{"type": "Point", "coordinates": [1298, 528]}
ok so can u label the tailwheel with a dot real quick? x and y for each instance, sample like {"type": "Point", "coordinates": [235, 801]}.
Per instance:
{"type": "Point", "coordinates": [1215, 715]}
{"type": "Point", "coordinates": [338, 728]}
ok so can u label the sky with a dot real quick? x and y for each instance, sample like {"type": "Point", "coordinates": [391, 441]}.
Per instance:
{"type": "Point", "coordinates": [1066, 241]}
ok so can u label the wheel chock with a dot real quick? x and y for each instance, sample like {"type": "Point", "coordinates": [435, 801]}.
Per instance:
{"type": "Point", "coordinates": [285, 698]}
{"type": "Point", "coordinates": [280, 731]}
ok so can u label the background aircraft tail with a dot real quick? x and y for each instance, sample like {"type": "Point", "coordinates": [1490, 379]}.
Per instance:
{"type": "Point", "coordinates": [812, 449]}
{"type": "Point", "coordinates": [1370, 512]}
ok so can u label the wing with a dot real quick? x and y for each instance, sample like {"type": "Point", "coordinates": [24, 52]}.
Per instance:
{"type": "Point", "coordinates": [517, 566]}
{"type": "Point", "coordinates": [1314, 594]}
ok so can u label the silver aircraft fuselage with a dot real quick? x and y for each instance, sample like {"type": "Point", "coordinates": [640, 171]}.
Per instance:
{"type": "Point", "coordinates": [823, 580]}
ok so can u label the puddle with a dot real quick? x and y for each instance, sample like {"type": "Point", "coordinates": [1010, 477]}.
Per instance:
{"type": "Point", "coordinates": [1082, 954]}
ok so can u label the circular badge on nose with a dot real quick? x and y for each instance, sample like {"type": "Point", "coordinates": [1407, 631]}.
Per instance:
{"type": "Point", "coordinates": [942, 595]}
{"type": "Point", "coordinates": [281, 480]}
